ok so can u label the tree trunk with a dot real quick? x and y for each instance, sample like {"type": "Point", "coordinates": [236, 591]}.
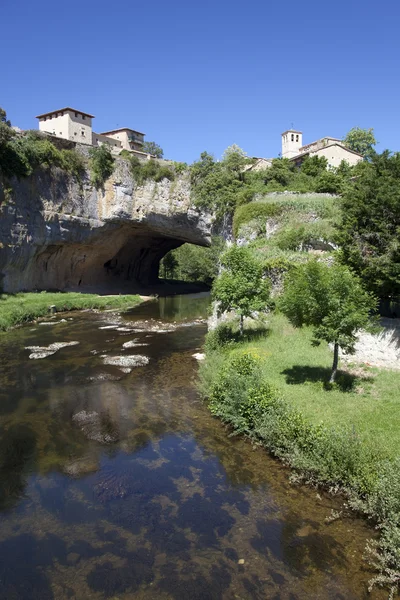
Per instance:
{"type": "Point", "coordinates": [335, 362]}
{"type": "Point", "coordinates": [241, 325]}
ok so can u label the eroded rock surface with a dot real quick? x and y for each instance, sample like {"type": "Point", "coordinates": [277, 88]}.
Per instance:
{"type": "Point", "coordinates": [58, 234]}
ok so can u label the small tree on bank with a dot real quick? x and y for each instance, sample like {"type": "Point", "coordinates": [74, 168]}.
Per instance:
{"type": "Point", "coordinates": [332, 301]}
{"type": "Point", "coordinates": [240, 287]}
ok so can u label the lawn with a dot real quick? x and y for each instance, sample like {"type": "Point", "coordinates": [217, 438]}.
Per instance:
{"type": "Point", "coordinates": [364, 397]}
{"type": "Point", "coordinates": [19, 308]}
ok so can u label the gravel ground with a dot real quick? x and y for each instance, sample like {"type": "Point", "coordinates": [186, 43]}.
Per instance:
{"type": "Point", "coordinates": [381, 350]}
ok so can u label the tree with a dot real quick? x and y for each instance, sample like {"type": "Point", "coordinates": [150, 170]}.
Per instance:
{"type": "Point", "coordinates": [240, 287]}
{"type": "Point", "coordinates": [3, 117]}
{"type": "Point", "coordinates": [369, 230]}
{"type": "Point", "coordinates": [332, 301]}
{"type": "Point", "coordinates": [154, 149]}
{"type": "Point", "coordinates": [101, 164]}
{"type": "Point", "coordinates": [314, 165]}
{"type": "Point", "coordinates": [361, 141]}
{"type": "Point", "coordinates": [169, 264]}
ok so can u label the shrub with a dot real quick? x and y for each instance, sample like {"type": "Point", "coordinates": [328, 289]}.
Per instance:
{"type": "Point", "coordinates": [101, 165]}
{"type": "Point", "coordinates": [257, 210]}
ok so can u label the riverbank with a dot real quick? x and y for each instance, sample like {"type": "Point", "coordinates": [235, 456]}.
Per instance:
{"type": "Point", "coordinates": [271, 386]}
{"type": "Point", "coordinates": [16, 309]}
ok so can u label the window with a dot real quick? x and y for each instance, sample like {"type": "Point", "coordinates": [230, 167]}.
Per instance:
{"type": "Point", "coordinates": [297, 138]}
{"type": "Point", "coordinates": [83, 117]}
{"type": "Point", "coordinates": [76, 114]}
{"type": "Point", "coordinates": [75, 133]}
{"type": "Point", "coordinates": [292, 137]}
{"type": "Point", "coordinates": [60, 132]}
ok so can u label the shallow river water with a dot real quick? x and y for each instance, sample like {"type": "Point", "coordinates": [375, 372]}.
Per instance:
{"type": "Point", "coordinates": [116, 482]}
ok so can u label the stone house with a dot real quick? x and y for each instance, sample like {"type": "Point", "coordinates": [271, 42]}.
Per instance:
{"type": "Point", "coordinates": [76, 125]}
{"type": "Point", "coordinates": [331, 148]}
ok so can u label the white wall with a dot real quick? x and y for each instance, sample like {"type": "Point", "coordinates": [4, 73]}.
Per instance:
{"type": "Point", "coordinates": [335, 154]}
{"type": "Point", "coordinates": [57, 125]}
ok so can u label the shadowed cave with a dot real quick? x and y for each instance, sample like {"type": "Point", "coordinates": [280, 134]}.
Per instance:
{"type": "Point", "coordinates": [116, 260]}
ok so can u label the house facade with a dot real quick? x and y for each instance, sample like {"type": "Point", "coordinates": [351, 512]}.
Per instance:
{"type": "Point", "coordinates": [75, 125]}
{"type": "Point", "coordinates": [330, 148]}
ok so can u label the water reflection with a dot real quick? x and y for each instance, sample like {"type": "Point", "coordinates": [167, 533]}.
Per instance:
{"type": "Point", "coordinates": [122, 485]}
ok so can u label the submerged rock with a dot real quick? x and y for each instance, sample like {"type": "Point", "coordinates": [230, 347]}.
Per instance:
{"type": "Point", "coordinates": [44, 351]}
{"type": "Point", "coordinates": [125, 362]}
{"type": "Point", "coordinates": [97, 426]}
{"type": "Point", "coordinates": [134, 344]}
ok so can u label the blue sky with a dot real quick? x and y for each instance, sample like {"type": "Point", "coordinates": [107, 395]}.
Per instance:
{"type": "Point", "coordinates": [200, 76]}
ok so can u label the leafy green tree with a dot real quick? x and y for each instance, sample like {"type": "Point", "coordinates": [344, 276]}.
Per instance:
{"type": "Point", "coordinates": [153, 148]}
{"type": "Point", "coordinates": [101, 164]}
{"type": "Point", "coordinates": [314, 165]}
{"type": "Point", "coordinates": [3, 117]}
{"type": "Point", "coordinates": [369, 232]}
{"type": "Point", "coordinates": [361, 141]}
{"type": "Point", "coordinates": [168, 265]}
{"type": "Point", "coordinates": [240, 287]}
{"type": "Point", "coordinates": [194, 263]}
{"type": "Point", "coordinates": [332, 301]}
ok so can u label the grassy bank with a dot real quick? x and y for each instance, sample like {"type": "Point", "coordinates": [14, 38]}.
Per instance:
{"type": "Point", "coordinates": [271, 387]}
{"type": "Point", "coordinates": [20, 308]}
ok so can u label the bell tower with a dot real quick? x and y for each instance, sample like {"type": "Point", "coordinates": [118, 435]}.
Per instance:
{"type": "Point", "coordinates": [292, 141]}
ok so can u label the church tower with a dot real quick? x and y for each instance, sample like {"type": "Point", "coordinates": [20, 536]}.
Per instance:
{"type": "Point", "coordinates": [292, 141]}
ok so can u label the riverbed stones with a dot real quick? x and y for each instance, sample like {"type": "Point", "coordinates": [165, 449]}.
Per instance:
{"type": "Point", "coordinates": [126, 363]}
{"type": "Point", "coordinates": [96, 427]}
{"type": "Point", "coordinates": [44, 351]}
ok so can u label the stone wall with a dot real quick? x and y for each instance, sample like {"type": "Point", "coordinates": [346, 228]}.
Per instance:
{"type": "Point", "coordinates": [56, 233]}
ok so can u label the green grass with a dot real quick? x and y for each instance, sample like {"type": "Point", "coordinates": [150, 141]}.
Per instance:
{"type": "Point", "coordinates": [364, 397]}
{"type": "Point", "coordinates": [20, 308]}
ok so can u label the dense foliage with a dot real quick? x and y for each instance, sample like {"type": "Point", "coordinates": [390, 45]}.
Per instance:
{"type": "Point", "coordinates": [21, 154]}
{"type": "Point", "coordinates": [222, 186]}
{"type": "Point", "coordinates": [370, 225]}
{"type": "Point", "coordinates": [154, 149]}
{"type": "Point", "coordinates": [240, 286]}
{"type": "Point", "coordinates": [361, 141]}
{"type": "Point", "coordinates": [143, 170]}
{"type": "Point", "coordinates": [193, 263]}
{"type": "Point", "coordinates": [101, 164]}
{"type": "Point", "coordinates": [331, 300]}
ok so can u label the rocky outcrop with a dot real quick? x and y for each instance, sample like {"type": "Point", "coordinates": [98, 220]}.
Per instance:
{"type": "Point", "coordinates": [57, 233]}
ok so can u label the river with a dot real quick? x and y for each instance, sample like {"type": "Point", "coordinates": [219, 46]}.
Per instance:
{"type": "Point", "coordinates": [116, 482]}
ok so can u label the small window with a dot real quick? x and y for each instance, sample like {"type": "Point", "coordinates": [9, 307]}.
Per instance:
{"type": "Point", "coordinates": [297, 138]}
{"type": "Point", "coordinates": [76, 114]}
{"type": "Point", "coordinates": [292, 137]}
{"type": "Point", "coordinates": [83, 117]}
{"type": "Point", "coordinates": [60, 132]}
{"type": "Point", "coordinates": [75, 133]}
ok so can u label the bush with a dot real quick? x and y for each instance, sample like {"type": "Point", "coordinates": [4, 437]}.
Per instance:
{"type": "Point", "coordinates": [101, 165]}
{"type": "Point", "coordinates": [21, 155]}
{"type": "Point", "coordinates": [255, 211]}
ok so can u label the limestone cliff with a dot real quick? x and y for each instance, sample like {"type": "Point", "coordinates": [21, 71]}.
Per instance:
{"type": "Point", "coordinates": [58, 234]}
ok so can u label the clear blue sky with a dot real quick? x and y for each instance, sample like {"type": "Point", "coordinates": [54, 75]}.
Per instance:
{"type": "Point", "coordinates": [200, 76]}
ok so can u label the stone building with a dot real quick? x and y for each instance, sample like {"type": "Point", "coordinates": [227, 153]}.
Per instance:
{"type": "Point", "coordinates": [129, 138]}
{"type": "Point", "coordinates": [75, 125]}
{"type": "Point", "coordinates": [331, 148]}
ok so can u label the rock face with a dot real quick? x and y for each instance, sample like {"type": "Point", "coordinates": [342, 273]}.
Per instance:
{"type": "Point", "coordinates": [58, 234]}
